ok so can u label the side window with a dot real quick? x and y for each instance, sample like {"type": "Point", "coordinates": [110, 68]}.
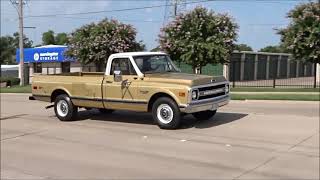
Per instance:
{"type": "Point", "coordinates": [37, 68]}
{"type": "Point", "coordinates": [124, 65]}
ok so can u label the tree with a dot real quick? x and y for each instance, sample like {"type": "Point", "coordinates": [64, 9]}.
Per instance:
{"type": "Point", "coordinates": [7, 50]}
{"type": "Point", "coordinates": [242, 47]}
{"type": "Point", "coordinates": [48, 38]}
{"type": "Point", "coordinates": [301, 37]}
{"type": "Point", "coordinates": [199, 37]}
{"type": "Point", "coordinates": [61, 39]}
{"type": "Point", "coordinates": [27, 43]}
{"type": "Point", "coordinates": [274, 49]}
{"type": "Point", "coordinates": [8, 46]}
{"type": "Point", "coordinates": [93, 43]}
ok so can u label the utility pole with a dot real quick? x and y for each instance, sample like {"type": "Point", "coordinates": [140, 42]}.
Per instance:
{"type": "Point", "coordinates": [175, 8]}
{"type": "Point", "coordinates": [21, 67]}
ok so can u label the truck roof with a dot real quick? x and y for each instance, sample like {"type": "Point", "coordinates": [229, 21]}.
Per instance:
{"type": "Point", "coordinates": [126, 54]}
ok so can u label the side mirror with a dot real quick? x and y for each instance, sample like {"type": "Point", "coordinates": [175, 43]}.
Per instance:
{"type": "Point", "coordinates": [117, 76]}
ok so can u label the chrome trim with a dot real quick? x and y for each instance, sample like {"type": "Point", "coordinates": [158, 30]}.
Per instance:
{"type": "Point", "coordinates": [207, 104]}
{"type": "Point", "coordinates": [215, 91]}
{"type": "Point", "coordinates": [205, 85]}
{"type": "Point", "coordinates": [209, 85]}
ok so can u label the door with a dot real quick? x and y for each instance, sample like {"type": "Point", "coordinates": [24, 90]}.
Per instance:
{"type": "Point", "coordinates": [121, 94]}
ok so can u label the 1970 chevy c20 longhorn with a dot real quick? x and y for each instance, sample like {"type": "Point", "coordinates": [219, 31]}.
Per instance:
{"type": "Point", "coordinates": [138, 81]}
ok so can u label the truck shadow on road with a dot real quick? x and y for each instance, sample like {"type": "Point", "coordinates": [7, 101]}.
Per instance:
{"type": "Point", "coordinates": [188, 121]}
{"type": "Point", "coordinates": [220, 118]}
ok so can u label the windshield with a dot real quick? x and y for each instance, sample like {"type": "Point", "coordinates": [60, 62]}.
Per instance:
{"type": "Point", "coordinates": [155, 64]}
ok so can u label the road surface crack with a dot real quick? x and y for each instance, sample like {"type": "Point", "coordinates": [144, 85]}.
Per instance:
{"type": "Point", "coordinates": [21, 135]}
{"type": "Point", "coordinates": [12, 117]}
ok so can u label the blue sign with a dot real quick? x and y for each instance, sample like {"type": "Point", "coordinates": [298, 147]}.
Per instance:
{"type": "Point", "coordinates": [48, 54]}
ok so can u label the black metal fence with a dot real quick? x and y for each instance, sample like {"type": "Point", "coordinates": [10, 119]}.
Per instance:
{"type": "Point", "coordinates": [249, 69]}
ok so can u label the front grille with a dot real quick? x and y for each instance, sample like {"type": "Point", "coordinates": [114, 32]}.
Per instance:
{"type": "Point", "coordinates": [212, 96]}
{"type": "Point", "coordinates": [211, 91]}
{"type": "Point", "coordinates": [212, 87]}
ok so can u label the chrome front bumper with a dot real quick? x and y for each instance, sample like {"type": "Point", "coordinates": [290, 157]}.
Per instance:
{"type": "Point", "coordinates": [204, 105]}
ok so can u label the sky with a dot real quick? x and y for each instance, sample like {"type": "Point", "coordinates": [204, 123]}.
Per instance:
{"type": "Point", "coordinates": [257, 19]}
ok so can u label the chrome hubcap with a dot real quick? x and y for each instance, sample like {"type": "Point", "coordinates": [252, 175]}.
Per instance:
{"type": "Point", "coordinates": [62, 108]}
{"type": "Point", "coordinates": [165, 113]}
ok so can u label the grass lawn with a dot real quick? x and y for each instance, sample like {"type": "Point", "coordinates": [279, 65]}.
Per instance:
{"type": "Point", "coordinates": [253, 89]}
{"type": "Point", "coordinates": [294, 97]}
{"type": "Point", "coordinates": [16, 89]}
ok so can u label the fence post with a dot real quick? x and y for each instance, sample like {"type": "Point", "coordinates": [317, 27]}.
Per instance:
{"type": "Point", "coordinates": [233, 74]}
{"type": "Point", "coordinates": [315, 75]}
{"type": "Point", "coordinates": [255, 70]}
{"type": "Point", "coordinates": [275, 72]}
{"type": "Point", "coordinates": [242, 61]}
{"type": "Point", "coordinates": [267, 67]}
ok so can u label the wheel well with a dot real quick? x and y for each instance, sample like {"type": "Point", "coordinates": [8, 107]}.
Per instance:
{"type": "Point", "coordinates": [155, 97]}
{"type": "Point", "coordinates": [56, 93]}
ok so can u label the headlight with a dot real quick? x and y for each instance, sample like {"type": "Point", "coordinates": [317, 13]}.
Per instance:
{"type": "Point", "coordinates": [227, 88]}
{"type": "Point", "coordinates": [195, 94]}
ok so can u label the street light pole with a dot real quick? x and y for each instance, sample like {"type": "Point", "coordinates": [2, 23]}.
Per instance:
{"type": "Point", "coordinates": [21, 67]}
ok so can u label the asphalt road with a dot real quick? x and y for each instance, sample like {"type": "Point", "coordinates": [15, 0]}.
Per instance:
{"type": "Point", "coordinates": [245, 140]}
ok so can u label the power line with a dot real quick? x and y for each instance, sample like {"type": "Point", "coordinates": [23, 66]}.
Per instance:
{"type": "Point", "coordinates": [116, 10]}
{"type": "Point", "coordinates": [154, 6]}
{"type": "Point", "coordinates": [14, 4]}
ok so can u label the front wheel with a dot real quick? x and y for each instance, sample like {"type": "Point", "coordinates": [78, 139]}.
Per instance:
{"type": "Point", "coordinates": [166, 113]}
{"type": "Point", "coordinates": [204, 115]}
{"type": "Point", "coordinates": [64, 108]}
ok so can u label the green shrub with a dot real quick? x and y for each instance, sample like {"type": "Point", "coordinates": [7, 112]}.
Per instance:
{"type": "Point", "coordinates": [11, 81]}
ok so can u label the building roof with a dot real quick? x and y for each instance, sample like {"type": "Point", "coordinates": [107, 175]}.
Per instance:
{"type": "Point", "coordinates": [137, 54]}
{"type": "Point", "coordinates": [51, 46]}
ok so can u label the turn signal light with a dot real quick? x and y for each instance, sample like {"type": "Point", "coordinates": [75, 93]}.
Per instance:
{"type": "Point", "coordinates": [182, 94]}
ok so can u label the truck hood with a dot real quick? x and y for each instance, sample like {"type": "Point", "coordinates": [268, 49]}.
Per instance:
{"type": "Point", "coordinates": [183, 78]}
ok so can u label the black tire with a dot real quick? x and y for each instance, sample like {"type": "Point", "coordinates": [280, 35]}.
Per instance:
{"type": "Point", "coordinates": [204, 115]}
{"type": "Point", "coordinates": [169, 110]}
{"type": "Point", "coordinates": [61, 102]}
{"type": "Point", "coordinates": [105, 111]}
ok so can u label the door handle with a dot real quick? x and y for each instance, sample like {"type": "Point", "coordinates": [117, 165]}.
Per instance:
{"type": "Point", "coordinates": [108, 81]}
{"type": "Point", "coordinates": [135, 78]}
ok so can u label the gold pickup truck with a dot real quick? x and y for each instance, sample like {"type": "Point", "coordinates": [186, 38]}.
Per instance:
{"type": "Point", "coordinates": [137, 81]}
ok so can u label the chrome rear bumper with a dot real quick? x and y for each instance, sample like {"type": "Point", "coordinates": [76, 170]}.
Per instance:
{"type": "Point", "coordinates": [204, 105]}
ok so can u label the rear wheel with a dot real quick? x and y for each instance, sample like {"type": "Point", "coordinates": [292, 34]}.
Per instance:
{"type": "Point", "coordinates": [166, 113]}
{"type": "Point", "coordinates": [204, 115]}
{"type": "Point", "coordinates": [64, 108]}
